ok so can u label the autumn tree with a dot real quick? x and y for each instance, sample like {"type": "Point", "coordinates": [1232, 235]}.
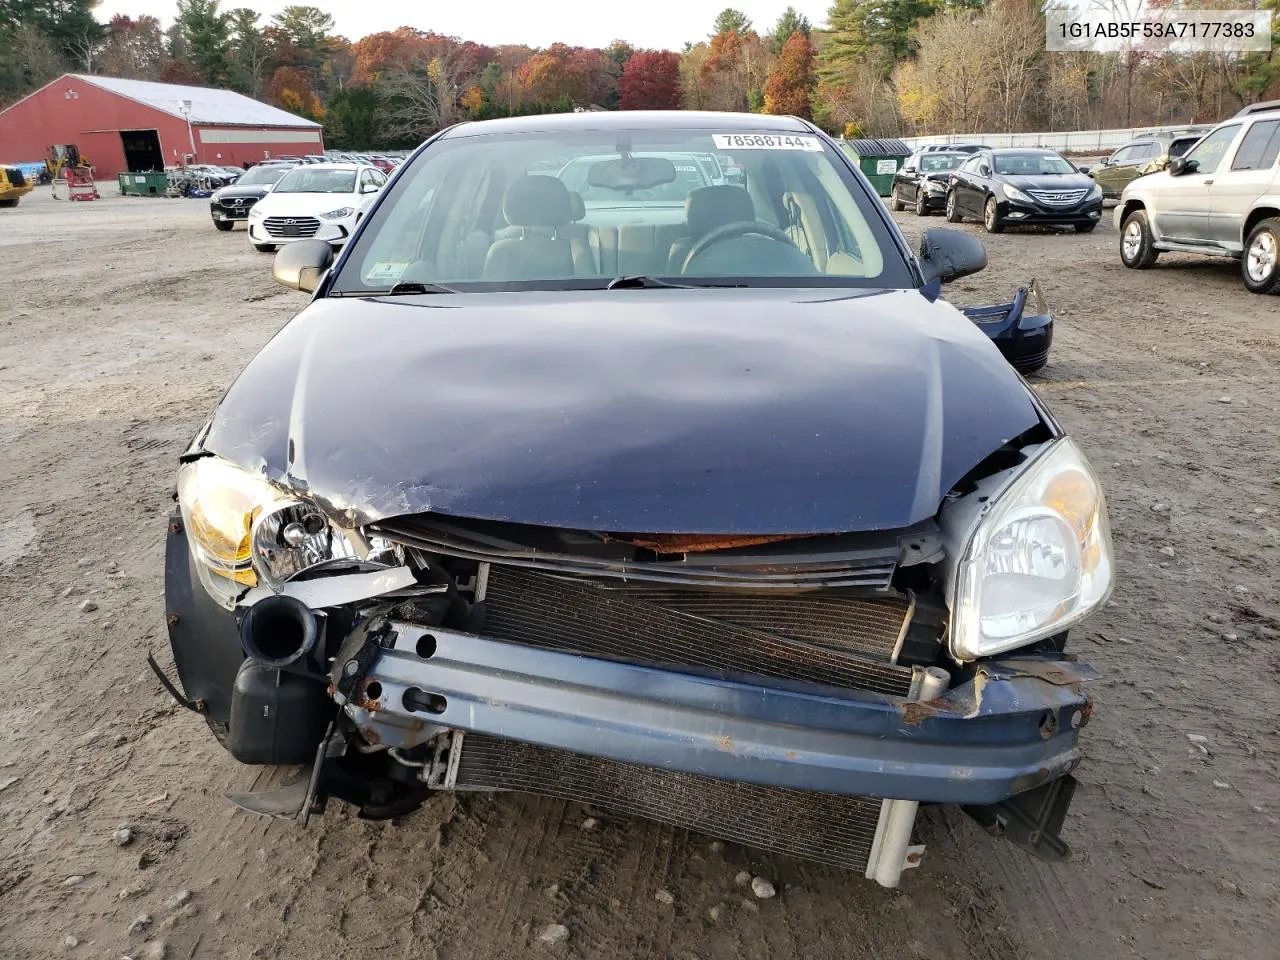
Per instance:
{"type": "Point", "coordinates": [791, 80]}
{"type": "Point", "coordinates": [290, 89]}
{"type": "Point", "coordinates": [651, 81]}
{"type": "Point", "coordinates": [950, 83]}
{"type": "Point", "coordinates": [133, 48]}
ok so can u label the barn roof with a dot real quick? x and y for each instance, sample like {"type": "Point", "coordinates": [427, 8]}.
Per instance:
{"type": "Point", "coordinates": [208, 105]}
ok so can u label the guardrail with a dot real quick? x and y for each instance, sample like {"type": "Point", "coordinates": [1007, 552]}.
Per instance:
{"type": "Point", "coordinates": [1074, 141]}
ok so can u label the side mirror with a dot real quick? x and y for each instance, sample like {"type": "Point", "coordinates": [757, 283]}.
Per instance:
{"type": "Point", "coordinates": [984, 170]}
{"type": "Point", "coordinates": [1180, 165]}
{"type": "Point", "coordinates": [1084, 170]}
{"type": "Point", "coordinates": [301, 264]}
{"type": "Point", "coordinates": [948, 254]}
{"type": "Point", "coordinates": [368, 188]}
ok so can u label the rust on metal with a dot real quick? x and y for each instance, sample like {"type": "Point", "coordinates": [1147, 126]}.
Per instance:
{"type": "Point", "coordinates": [725, 742]}
{"type": "Point", "coordinates": [915, 712]}
{"type": "Point", "coordinates": [699, 542]}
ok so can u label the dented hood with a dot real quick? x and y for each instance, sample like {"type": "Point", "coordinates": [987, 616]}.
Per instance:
{"type": "Point", "coordinates": [666, 411]}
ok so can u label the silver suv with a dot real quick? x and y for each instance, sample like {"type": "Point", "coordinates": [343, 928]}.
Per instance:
{"type": "Point", "coordinates": [1221, 199]}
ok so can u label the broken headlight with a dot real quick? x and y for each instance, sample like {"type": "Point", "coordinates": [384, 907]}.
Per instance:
{"type": "Point", "coordinates": [1037, 559]}
{"type": "Point", "coordinates": [243, 531]}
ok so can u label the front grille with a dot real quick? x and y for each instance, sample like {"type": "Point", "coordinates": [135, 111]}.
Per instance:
{"type": "Point", "coordinates": [291, 226]}
{"type": "Point", "coordinates": [833, 640]}
{"type": "Point", "coordinates": [15, 176]}
{"type": "Point", "coordinates": [826, 828]}
{"type": "Point", "coordinates": [239, 204]}
{"type": "Point", "coordinates": [1058, 198]}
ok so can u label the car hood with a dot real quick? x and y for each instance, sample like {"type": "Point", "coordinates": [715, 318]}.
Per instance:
{"type": "Point", "coordinates": [305, 204]}
{"type": "Point", "coordinates": [672, 411]}
{"type": "Point", "coordinates": [1054, 181]}
{"type": "Point", "coordinates": [256, 191]}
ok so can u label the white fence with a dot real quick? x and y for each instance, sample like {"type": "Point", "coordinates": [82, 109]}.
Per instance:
{"type": "Point", "coordinates": [1074, 141]}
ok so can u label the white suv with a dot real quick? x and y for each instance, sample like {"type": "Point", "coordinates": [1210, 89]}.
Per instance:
{"type": "Point", "coordinates": [1221, 198]}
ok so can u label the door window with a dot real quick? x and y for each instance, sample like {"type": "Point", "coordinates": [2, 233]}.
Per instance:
{"type": "Point", "coordinates": [1124, 154]}
{"type": "Point", "coordinates": [1208, 153]}
{"type": "Point", "coordinates": [1258, 148]}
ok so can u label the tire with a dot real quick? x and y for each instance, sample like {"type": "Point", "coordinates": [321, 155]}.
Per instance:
{"type": "Point", "coordinates": [265, 247]}
{"type": "Point", "coordinates": [1260, 265]}
{"type": "Point", "coordinates": [991, 217]}
{"type": "Point", "coordinates": [1137, 247]}
{"type": "Point", "coordinates": [922, 205]}
{"type": "Point", "coordinates": [9, 203]}
{"type": "Point", "coordinates": [953, 211]}
{"type": "Point", "coordinates": [1085, 227]}
{"type": "Point", "coordinates": [223, 225]}
{"type": "Point", "coordinates": [895, 204]}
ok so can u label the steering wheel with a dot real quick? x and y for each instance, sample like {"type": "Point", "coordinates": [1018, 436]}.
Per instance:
{"type": "Point", "coordinates": [729, 231]}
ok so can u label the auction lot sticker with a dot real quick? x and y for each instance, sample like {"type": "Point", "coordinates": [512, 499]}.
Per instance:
{"type": "Point", "coordinates": [764, 141]}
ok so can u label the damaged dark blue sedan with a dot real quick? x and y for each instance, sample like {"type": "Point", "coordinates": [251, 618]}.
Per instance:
{"type": "Point", "coordinates": [591, 472]}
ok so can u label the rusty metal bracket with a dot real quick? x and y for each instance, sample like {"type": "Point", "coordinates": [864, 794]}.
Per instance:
{"type": "Point", "coordinates": [195, 706]}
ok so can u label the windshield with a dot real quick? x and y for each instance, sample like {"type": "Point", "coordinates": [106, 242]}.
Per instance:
{"type": "Point", "coordinates": [261, 175]}
{"type": "Point", "coordinates": [1031, 164]}
{"type": "Point", "coordinates": [940, 162]}
{"type": "Point", "coordinates": [306, 180]}
{"type": "Point", "coordinates": [572, 210]}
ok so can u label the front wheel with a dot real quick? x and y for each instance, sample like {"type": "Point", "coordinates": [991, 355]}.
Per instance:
{"type": "Point", "coordinates": [991, 217]}
{"type": "Point", "coordinates": [1260, 265]}
{"type": "Point", "coordinates": [1137, 246]}
{"type": "Point", "coordinates": [265, 247]}
{"type": "Point", "coordinates": [9, 203]}
{"type": "Point", "coordinates": [223, 225]}
{"type": "Point", "coordinates": [953, 212]}
{"type": "Point", "coordinates": [1085, 227]}
{"type": "Point", "coordinates": [895, 204]}
{"type": "Point", "coordinates": [922, 204]}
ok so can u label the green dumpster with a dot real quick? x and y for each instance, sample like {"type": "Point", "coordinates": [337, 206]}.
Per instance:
{"type": "Point", "coordinates": [142, 184]}
{"type": "Point", "coordinates": [878, 159]}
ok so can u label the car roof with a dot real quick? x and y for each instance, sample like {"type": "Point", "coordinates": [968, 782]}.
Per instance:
{"type": "Point", "coordinates": [1042, 150]}
{"type": "Point", "coordinates": [336, 165]}
{"type": "Point", "coordinates": [630, 120]}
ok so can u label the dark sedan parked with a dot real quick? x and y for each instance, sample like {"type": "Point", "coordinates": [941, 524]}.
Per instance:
{"type": "Point", "coordinates": [712, 511]}
{"type": "Point", "coordinates": [922, 181]}
{"type": "Point", "coordinates": [1009, 187]}
{"type": "Point", "coordinates": [233, 203]}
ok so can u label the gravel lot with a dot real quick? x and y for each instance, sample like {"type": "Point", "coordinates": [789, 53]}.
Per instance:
{"type": "Point", "coordinates": [128, 317]}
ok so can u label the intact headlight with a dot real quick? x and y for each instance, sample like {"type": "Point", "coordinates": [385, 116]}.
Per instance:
{"type": "Point", "coordinates": [244, 531]}
{"type": "Point", "coordinates": [1095, 191]}
{"type": "Point", "coordinates": [1013, 193]}
{"type": "Point", "coordinates": [1037, 560]}
{"type": "Point", "coordinates": [340, 214]}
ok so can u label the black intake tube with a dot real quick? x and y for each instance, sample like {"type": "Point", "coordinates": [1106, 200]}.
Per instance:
{"type": "Point", "coordinates": [278, 631]}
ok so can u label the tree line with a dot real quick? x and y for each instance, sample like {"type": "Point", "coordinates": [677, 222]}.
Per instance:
{"type": "Point", "coordinates": [876, 68]}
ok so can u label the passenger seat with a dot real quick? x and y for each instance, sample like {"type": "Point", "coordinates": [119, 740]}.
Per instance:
{"type": "Point", "coordinates": [539, 242]}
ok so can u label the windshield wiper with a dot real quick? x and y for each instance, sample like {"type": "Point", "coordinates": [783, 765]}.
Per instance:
{"type": "Point", "coordinates": [414, 287]}
{"type": "Point", "coordinates": [641, 282]}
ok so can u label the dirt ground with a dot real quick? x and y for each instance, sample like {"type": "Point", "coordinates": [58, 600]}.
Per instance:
{"type": "Point", "coordinates": [125, 319]}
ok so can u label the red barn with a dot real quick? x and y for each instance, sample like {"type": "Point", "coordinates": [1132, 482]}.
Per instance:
{"type": "Point", "coordinates": [136, 125]}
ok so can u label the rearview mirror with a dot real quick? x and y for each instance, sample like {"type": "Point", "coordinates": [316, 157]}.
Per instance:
{"type": "Point", "coordinates": [301, 264]}
{"type": "Point", "coordinates": [631, 173]}
{"type": "Point", "coordinates": [948, 254]}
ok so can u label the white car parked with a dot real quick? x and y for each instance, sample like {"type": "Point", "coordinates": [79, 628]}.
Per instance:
{"type": "Point", "coordinates": [317, 201]}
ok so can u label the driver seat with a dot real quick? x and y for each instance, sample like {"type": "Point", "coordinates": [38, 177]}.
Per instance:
{"type": "Point", "coordinates": [707, 209]}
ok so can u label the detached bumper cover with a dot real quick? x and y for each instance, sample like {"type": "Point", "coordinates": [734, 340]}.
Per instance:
{"type": "Point", "coordinates": [1012, 727]}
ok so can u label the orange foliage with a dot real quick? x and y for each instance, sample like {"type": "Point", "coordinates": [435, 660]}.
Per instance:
{"type": "Point", "coordinates": [786, 91]}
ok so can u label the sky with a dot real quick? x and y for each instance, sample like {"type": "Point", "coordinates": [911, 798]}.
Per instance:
{"type": "Point", "coordinates": [660, 24]}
